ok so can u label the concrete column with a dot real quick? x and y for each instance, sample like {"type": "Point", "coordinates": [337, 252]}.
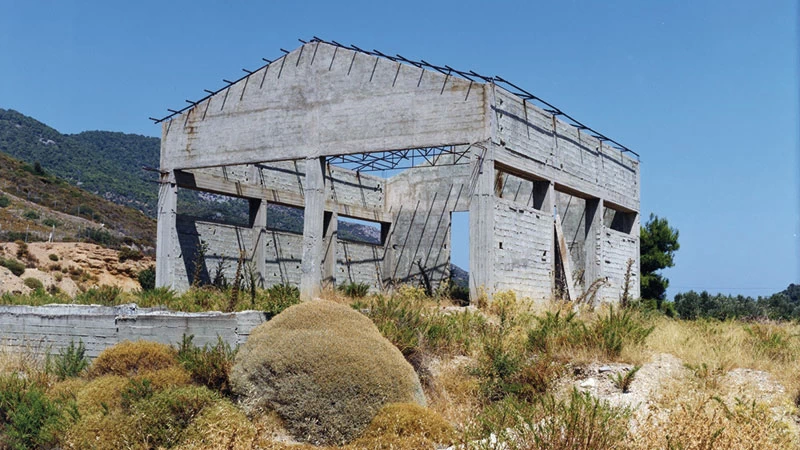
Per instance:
{"type": "Point", "coordinates": [481, 226]}
{"type": "Point", "coordinates": [258, 222]}
{"type": "Point", "coordinates": [593, 244]}
{"type": "Point", "coordinates": [167, 245]}
{"type": "Point", "coordinates": [313, 239]}
{"type": "Point", "coordinates": [331, 229]}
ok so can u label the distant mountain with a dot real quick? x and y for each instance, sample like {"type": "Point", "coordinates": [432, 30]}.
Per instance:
{"type": "Point", "coordinates": [105, 163]}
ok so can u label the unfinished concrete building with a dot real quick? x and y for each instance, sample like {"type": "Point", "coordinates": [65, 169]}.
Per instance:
{"type": "Point", "coordinates": [553, 205]}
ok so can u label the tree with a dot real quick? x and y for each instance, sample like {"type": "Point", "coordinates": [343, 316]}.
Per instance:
{"type": "Point", "coordinates": [658, 244]}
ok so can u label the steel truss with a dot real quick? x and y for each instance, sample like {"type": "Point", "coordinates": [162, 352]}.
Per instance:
{"type": "Point", "coordinates": [451, 155]}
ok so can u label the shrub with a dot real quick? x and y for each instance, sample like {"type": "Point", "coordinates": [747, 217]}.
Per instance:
{"type": "Point", "coordinates": [51, 222]}
{"type": "Point", "coordinates": [22, 249]}
{"type": "Point", "coordinates": [220, 425]}
{"type": "Point", "coordinates": [147, 278]}
{"type": "Point", "coordinates": [553, 333]}
{"type": "Point", "coordinates": [4, 201]}
{"type": "Point", "coordinates": [70, 361]}
{"type": "Point", "coordinates": [208, 365]}
{"type": "Point", "coordinates": [160, 418]}
{"type": "Point", "coordinates": [102, 295]}
{"type": "Point", "coordinates": [127, 253]}
{"type": "Point", "coordinates": [405, 425]}
{"type": "Point", "coordinates": [623, 380]}
{"type": "Point", "coordinates": [579, 422]}
{"type": "Point", "coordinates": [355, 290]}
{"type": "Point", "coordinates": [53, 257]}
{"type": "Point", "coordinates": [130, 358]}
{"type": "Point", "coordinates": [617, 329]}
{"type": "Point", "coordinates": [30, 419]}
{"type": "Point", "coordinates": [324, 361]}
{"type": "Point", "coordinates": [31, 214]}
{"type": "Point", "coordinates": [280, 297]}
{"type": "Point", "coordinates": [16, 267]}
{"type": "Point", "coordinates": [33, 283]}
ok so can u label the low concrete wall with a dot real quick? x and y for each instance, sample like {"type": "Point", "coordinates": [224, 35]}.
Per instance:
{"type": "Point", "coordinates": [39, 329]}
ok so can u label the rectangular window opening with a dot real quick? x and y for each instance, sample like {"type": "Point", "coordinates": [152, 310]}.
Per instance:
{"type": "Point", "coordinates": [361, 230]}
{"type": "Point", "coordinates": [619, 220]}
{"type": "Point", "coordinates": [214, 207]}
{"type": "Point", "coordinates": [530, 192]}
{"type": "Point", "coordinates": [285, 218]}
{"type": "Point", "coordinates": [459, 256]}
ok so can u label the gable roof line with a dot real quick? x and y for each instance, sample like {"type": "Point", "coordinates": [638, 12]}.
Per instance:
{"type": "Point", "coordinates": [444, 70]}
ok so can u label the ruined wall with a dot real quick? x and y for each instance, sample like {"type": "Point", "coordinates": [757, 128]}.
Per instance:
{"type": "Point", "coordinates": [322, 100]}
{"type": "Point", "coordinates": [359, 263]}
{"type": "Point", "coordinates": [223, 241]}
{"type": "Point", "coordinates": [523, 250]}
{"type": "Point", "coordinates": [538, 143]}
{"type": "Point", "coordinates": [422, 200]}
{"type": "Point", "coordinates": [618, 248]}
{"type": "Point", "coordinates": [38, 329]}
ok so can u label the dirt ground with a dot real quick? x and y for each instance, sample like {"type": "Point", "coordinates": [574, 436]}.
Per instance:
{"type": "Point", "coordinates": [74, 268]}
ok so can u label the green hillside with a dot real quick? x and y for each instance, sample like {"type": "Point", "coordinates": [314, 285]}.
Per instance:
{"type": "Point", "coordinates": [105, 163]}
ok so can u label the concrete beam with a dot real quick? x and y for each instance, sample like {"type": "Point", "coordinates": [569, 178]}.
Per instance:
{"type": "Point", "coordinates": [167, 246]}
{"type": "Point", "coordinates": [593, 244]}
{"type": "Point", "coordinates": [481, 225]}
{"type": "Point", "coordinates": [219, 185]}
{"type": "Point", "coordinates": [313, 238]}
{"type": "Point", "coordinates": [258, 221]}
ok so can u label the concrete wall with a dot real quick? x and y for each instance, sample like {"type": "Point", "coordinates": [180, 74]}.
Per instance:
{"type": "Point", "coordinates": [322, 100]}
{"type": "Point", "coordinates": [523, 250]}
{"type": "Point", "coordinates": [53, 327]}
{"type": "Point", "coordinates": [537, 143]}
{"type": "Point", "coordinates": [422, 200]}
{"type": "Point", "coordinates": [618, 248]}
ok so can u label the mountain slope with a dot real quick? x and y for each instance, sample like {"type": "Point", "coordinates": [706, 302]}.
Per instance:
{"type": "Point", "coordinates": [108, 164]}
{"type": "Point", "coordinates": [36, 202]}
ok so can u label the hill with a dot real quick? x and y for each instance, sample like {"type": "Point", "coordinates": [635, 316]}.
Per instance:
{"type": "Point", "coordinates": [105, 163]}
{"type": "Point", "coordinates": [33, 203]}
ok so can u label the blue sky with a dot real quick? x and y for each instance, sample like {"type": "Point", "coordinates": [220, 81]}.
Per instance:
{"type": "Point", "coordinates": [705, 91]}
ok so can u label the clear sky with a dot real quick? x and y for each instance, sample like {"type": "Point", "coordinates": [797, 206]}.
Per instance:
{"type": "Point", "coordinates": [705, 91]}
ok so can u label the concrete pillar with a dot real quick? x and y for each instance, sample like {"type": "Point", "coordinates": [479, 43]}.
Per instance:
{"type": "Point", "coordinates": [331, 230]}
{"type": "Point", "coordinates": [313, 239]}
{"type": "Point", "coordinates": [593, 244]}
{"type": "Point", "coordinates": [167, 245]}
{"type": "Point", "coordinates": [258, 223]}
{"type": "Point", "coordinates": [481, 226]}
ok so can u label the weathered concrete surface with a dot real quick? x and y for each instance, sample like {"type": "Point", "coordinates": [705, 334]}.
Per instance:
{"type": "Point", "coordinates": [39, 329]}
{"type": "Point", "coordinates": [319, 100]}
{"type": "Point", "coordinates": [265, 138]}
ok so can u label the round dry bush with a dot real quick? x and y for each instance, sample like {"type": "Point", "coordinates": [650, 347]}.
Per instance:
{"type": "Point", "coordinates": [220, 425]}
{"type": "Point", "coordinates": [170, 377]}
{"type": "Point", "coordinates": [325, 368]}
{"type": "Point", "coordinates": [101, 394]}
{"type": "Point", "coordinates": [131, 358]}
{"type": "Point", "coordinates": [408, 420]}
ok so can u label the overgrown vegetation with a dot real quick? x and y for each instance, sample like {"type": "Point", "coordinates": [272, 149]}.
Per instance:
{"type": "Point", "coordinates": [507, 375]}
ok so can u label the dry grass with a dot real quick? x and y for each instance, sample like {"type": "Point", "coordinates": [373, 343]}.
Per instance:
{"type": "Point", "coordinates": [695, 415]}
{"type": "Point", "coordinates": [723, 346]}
